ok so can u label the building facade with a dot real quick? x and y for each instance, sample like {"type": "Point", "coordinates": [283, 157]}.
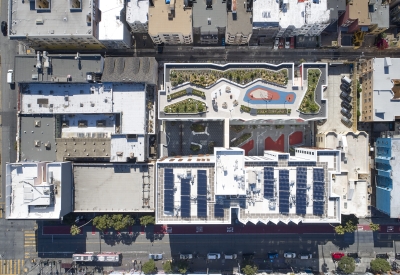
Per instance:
{"type": "Point", "coordinates": [137, 12]}
{"type": "Point", "coordinates": [239, 26]}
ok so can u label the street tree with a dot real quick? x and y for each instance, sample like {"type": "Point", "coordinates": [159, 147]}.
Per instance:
{"type": "Point", "coordinates": [339, 230]}
{"type": "Point", "coordinates": [149, 267]}
{"type": "Point", "coordinates": [374, 226]}
{"type": "Point", "coordinates": [250, 270]}
{"type": "Point", "coordinates": [102, 222]}
{"type": "Point", "coordinates": [380, 265]}
{"type": "Point", "coordinates": [347, 265]}
{"type": "Point", "coordinates": [350, 227]}
{"type": "Point", "coordinates": [167, 266]}
{"type": "Point", "coordinates": [120, 221]}
{"type": "Point", "coordinates": [183, 266]}
{"type": "Point", "coordinates": [75, 230]}
{"type": "Point", "coordinates": [145, 220]}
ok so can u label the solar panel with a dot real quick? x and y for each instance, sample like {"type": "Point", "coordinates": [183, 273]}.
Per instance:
{"type": "Point", "coordinates": [202, 206]}
{"type": "Point", "coordinates": [268, 182]}
{"type": "Point", "coordinates": [185, 187]}
{"type": "Point", "coordinates": [185, 206]}
{"type": "Point", "coordinates": [318, 184]}
{"type": "Point", "coordinates": [169, 200]}
{"type": "Point", "coordinates": [318, 208]}
{"type": "Point", "coordinates": [284, 191]}
{"type": "Point", "coordinates": [201, 182]}
{"type": "Point", "coordinates": [168, 179]}
{"type": "Point", "coordinates": [301, 190]}
{"type": "Point", "coordinates": [218, 210]}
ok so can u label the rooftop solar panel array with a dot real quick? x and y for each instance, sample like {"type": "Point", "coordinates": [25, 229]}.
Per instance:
{"type": "Point", "coordinates": [185, 187]}
{"type": "Point", "coordinates": [201, 182]}
{"type": "Point", "coordinates": [168, 190]}
{"type": "Point", "coordinates": [284, 191]}
{"type": "Point", "coordinates": [185, 206]}
{"type": "Point", "coordinates": [318, 191]}
{"type": "Point", "coordinates": [269, 182]}
{"type": "Point", "coordinates": [301, 190]}
{"type": "Point", "coordinates": [218, 210]}
{"type": "Point", "coordinates": [202, 206]}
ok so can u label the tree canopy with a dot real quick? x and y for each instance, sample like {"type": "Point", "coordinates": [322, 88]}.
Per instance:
{"type": "Point", "coordinates": [250, 270]}
{"type": "Point", "coordinates": [167, 266]}
{"type": "Point", "coordinates": [374, 226]}
{"type": "Point", "coordinates": [347, 265]}
{"type": "Point", "coordinates": [149, 267]}
{"type": "Point", "coordinates": [380, 265]}
{"type": "Point", "coordinates": [75, 230]}
{"type": "Point", "coordinates": [145, 220]}
{"type": "Point", "coordinates": [116, 221]}
{"type": "Point", "coordinates": [183, 266]}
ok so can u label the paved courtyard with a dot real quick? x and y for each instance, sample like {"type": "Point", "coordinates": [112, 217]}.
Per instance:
{"type": "Point", "coordinates": [179, 138]}
{"type": "Point", "coordinates": [272, 137]}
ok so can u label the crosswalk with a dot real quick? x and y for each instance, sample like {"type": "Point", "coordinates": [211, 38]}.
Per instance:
{"type": "Point", "coordinates": [11, 267]}
{"type": "Point", "coordinates": [30, 244]}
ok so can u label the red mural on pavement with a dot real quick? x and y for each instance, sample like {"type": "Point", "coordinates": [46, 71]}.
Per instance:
{"type": "Point", "coordinates": [277, 145]}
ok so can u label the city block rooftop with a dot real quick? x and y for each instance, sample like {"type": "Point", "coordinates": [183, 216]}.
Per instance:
{"type": "Point", "coordinates": [276, 187]}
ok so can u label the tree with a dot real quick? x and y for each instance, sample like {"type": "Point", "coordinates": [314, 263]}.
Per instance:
{"type": "Point", "coordinates": [339, 230]}
{"type": "Point", "coordinates": [380, 265]}
{"type": "Point", "coordinates": [145, 220]}
{"type": "Point", "coordinates": [149, 267]}
{"type": "Point", "coordinates": [302, 60]}
{"type": "Point", "coordinates": [347, 265]}
{"type": "Point", "coordinates": [183, 266]}
{"type": "Point", "coordinates": [350, 227]}
{"type": "Point", "coordinates": [75, 230]}
{"type": "Point", "coordinates": [250, 270]}
{"type": "Point", "coordinates": [102, 222]}
{"type": "Point", "coordinates": [167, 266]}
{"type": "Point", "coordinates": [119, 221]}
{"type": "Point", "coordinates": [374, 226]}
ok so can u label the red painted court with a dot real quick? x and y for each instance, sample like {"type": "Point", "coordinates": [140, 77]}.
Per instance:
{"type": "Point", "coordinates": [296, 138]}
{"type": "Point", "coordinates": [248, 146]}
{"type": "Point", "coordinates": [277, 145]}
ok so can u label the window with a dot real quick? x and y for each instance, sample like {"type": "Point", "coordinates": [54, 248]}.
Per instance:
{"type": "Point", "coordinates": [386, 69]}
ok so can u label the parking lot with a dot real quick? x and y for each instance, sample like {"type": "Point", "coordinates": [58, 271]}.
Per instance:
{"type": "Point", "coordinates": [332, 93]}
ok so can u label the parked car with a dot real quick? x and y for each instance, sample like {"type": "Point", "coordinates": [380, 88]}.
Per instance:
{"type": "Point", "coordinates": [345, 88]}
{"type": "Point", "coordinates": [346, 105]}
{"type": "Point", "coordinates": [397, 256]}
{"type": "Point", "coordinates": [382, 256]}
{"type": "Point", "coordinates": [289, 255]}
{"type": "Point", "coordinates": [185, 256]}
{"type": "Point", "coordinates": [346, 80]}
{"type": "Point", "coordinates": [230, 256]}
{"type": "Point", "coordinates": [287, 43]}
{"type": "Point", "coordinates": [213, 256]}
{"type": "Point", "coordinates": [79, 218]}
{"type": "Point", "coordinates": [346, 96]}
{"type": "Point", "coordinates": [305, 256]}
{"type": "Point", "coordinates": [155, 257]}
{"type": "Point", "coordinates": [346, 113]}
{"type": "Point", "coordinates": [273, 255]}
{"type": "Point", "coordinates": [336, 256]}
{"type": "Point", "coordinates": [276, 44]}
{"type": "Point", "coordinates": [355, 256]}
{"type": "Point", "coordinates": [4, 27]}
{"type": "Point", "coordinates": [346, 121]}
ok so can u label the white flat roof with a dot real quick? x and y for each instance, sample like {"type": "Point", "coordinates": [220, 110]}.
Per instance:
{"type": "Point", "coordinates": [111, 27]}
{"type": "Point", "coordinates": [229, 172]}
{"type": "Point", "coordinates": [265, 11]}
{"type": "Point", "coordinates": [123, 148]}
{"type": "Point", "coordinates": [34, 190]}
{"type": "Point", "coordinates": [130, 101]}
{"type": "Point", "coordinates": [101, 124]}
{"type": "Point", "coordinates": [137, 10]}
{"type": "Point", "coordinates": [303, 13]}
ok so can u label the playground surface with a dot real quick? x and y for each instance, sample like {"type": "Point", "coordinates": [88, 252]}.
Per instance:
{"type": "Point", "coordinates": [261, 95]}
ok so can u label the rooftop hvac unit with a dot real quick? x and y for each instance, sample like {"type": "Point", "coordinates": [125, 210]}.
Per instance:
{"type": "Point", "coordinates": [37, 123]}
{"type": "Point", "coordinates": [39, 21]}
{"type": "Point", "coordinates": [37, 143]}
{"type": "Point", "coordinates": [120, 154]}
{"type": "Point", "coordinates": [131, 155]}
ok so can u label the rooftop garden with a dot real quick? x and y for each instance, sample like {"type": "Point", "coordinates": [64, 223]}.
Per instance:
{"type": "Point", "coordinates": [269, 111]}
{"type": "Point", "coordinates": [185, 106]}
{"type": "Point", "coordinates": [185, 92]}
{"type": "Point", "coordinates": [308, 105]}
{"type": "Point", "coordinates": [206, 78]}
{"type": "Point", "coordinates": [198, 128]}
{"type": "Point", "coordinates": [240, 139]}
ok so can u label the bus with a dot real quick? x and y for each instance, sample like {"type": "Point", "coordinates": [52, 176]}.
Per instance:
{"type": "Point", "coordinates": [104, 257]}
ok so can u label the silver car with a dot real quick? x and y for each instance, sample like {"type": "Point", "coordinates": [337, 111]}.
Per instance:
{"type": "Point", "coordinates": [155, 257]}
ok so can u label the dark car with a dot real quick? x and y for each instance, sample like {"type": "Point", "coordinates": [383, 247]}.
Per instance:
{"type": "Point", "coordinates": [345, 88]}
{"type": "Point", "coordinates": [346, 96]}
{"type": "Point", "coordinates": [382, 256]}
{"type": "Point", "coordinates": [355, 256]}
{"type": "Point", "coordinates": [397, 256]}
{"type": "Point", "coordinates": [346, 105]}
{"type": "Point", "coordinates": [346, 113]}
{"type": "Point", "coordinates": [4, 27]}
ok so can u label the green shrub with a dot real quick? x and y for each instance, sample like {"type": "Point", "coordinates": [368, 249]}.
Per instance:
{"type": "Point", "coordinates": [241, 139]}
{"type": "Point", "coordinates": [194, 147]}
{"type": "Point", "coordinates": [308, 105]}
{"type": "Point", "coordinates": [197, 128]}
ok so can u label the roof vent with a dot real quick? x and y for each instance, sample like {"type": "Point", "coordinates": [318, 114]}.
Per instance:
{"type": "Point", "coordinates": [120, 154]}
{"type": "Point", "coordinates": [39, 21]}
{"type": "Point", "coordinates": [37, 143]}
{"type": "Point", "coordinates": [37, 123]}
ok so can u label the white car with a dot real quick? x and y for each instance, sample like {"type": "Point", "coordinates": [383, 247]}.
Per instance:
{"type": "Point", "coordinates": [289, 255]}
{"type": "Point", "coordinates": [186, 256]}
{"type": "Point", "coordinates": [276, 45]}
{"type": "Point", "coordinates": [230, 256]}
{"type": "Point", "coordinates": [213, 256]}
{"type": "Point", "coordinates": [155, 256]}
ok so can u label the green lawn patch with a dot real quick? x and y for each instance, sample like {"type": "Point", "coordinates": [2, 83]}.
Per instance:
{"type": "Point", "coordinates": [245, 109]}
{"type": "Point", "coordinates": [273, 111]}
{"type": "Point", "coordinates": [308, 105]}
{"type": "Point", "coordinates": [199, 93]}
{"type": "Point", "coordinates": [194, 147]}
{"type": "Point", "coordinates": [241, 139]}
{"type": "Point", "coordinates": [186, 106]}
{"type": "Point", "coordinates": [176, 94]}
{"type": "Point", "coordinates": [237, 128]}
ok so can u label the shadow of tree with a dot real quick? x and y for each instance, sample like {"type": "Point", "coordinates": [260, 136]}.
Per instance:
{"type": "Point", "coordinates": [343, 241]}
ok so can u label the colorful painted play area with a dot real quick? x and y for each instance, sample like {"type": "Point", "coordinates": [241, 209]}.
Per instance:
{"type": "Point", "coordinates": [260, 94]}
